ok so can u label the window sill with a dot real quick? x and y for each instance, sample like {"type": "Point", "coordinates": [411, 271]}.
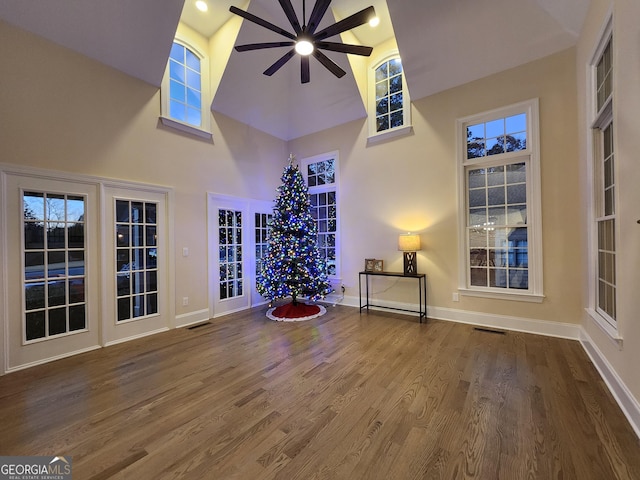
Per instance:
{"type": "Point", "coordinates": [168, 122]}
{"type": "Point", "coordinates": [519, 297]}
{"type": "Point", "coordinates": [389, 134]}
{"type": "Point", "coordinates": [610, 331]}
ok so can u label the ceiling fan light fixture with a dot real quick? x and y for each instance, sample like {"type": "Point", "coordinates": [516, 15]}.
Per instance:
{"type": "Point", "coordinates": [304, 47]}
{"type": "Point", "coordinates": [306, 40]}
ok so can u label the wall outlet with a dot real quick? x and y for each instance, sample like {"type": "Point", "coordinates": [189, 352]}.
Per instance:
{"type": "Point", "coordinates": [185, 301]}
{"type": "Point", "coordinates": [455, 296]}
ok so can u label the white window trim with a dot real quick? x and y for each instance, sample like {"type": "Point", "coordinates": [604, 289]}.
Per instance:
{"type": "Point", "coordinates": [336, 279]}
{"type": "Point", "coordinates": [534, 200]}
{"type": "Point", "coordinates": [597, 120]}
{"type": "Point", "coordinates": [205, 115]}
{"type": "Point", "coordinates": [406, 129]}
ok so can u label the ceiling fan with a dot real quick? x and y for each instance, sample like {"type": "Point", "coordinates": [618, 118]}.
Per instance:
{"type": "Point", "coordinates": [305, 40]}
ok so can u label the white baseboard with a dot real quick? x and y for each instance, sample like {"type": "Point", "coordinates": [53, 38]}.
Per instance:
{"type": "Point", "coordinates": [191, 318]}
{"type": "Point", "coordinates": [52, 359]}
{"type": "Point", "coordinates": [135, 337]}
{"type": "Point", "coordinates": [491, 320]}
{"type": "Point", "coordinates": [627, 402]}
{"type": "Point", "coordinates": [507, 322]}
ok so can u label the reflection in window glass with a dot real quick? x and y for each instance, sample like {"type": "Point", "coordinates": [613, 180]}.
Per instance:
{"type": "Point", "coordinates": [262, 230]}
{"type": "Point", "coordinates": [136, 259]}
{"type": "Point", "coordinates": [230, 244]}
{"type": "Point", "coordinates": [53, 264]}
{"type": "Point", "coordinates": [497, 228]}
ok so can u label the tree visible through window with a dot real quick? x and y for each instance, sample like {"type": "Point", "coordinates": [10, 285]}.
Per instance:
{"type": "Point", "coordinates": [54, 264]}
{"type": "Point", "coordinates": [389, 95]}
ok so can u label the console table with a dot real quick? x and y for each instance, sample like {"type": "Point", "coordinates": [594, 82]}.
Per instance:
{"type": "Point", "coordinates": [422, 291]}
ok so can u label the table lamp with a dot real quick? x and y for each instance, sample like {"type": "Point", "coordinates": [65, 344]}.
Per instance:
{"type": "Point", "coordinates": [409, 243]}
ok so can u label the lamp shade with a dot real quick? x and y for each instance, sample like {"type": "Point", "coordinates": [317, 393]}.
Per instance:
{"type": "Point", "coordinates": [409, 242]}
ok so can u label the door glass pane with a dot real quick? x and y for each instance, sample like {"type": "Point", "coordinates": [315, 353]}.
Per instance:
{"type": "Point", "coordinates": [136, 268]}
{"type": "Point", "coordinates": [54, 265]}
{"type": "Point", "coordinates": [262, 225]}
{"type": "Point", "coordinates": [230, 242]}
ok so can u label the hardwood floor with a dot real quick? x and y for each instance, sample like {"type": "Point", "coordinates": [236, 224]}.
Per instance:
{"type": "Point", "coordinates": [344, 396]}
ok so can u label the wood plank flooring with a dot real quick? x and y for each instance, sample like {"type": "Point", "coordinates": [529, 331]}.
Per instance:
{"type": "Point", "coordinates": [343, 396]}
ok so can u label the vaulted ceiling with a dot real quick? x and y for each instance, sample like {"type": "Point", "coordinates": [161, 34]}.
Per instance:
{"type": "Point", "coordinates": [442, 43]}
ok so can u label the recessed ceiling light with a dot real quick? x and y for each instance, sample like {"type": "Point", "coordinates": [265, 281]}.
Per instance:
{"type": "Point", "coordinates": [202, 5]}
{"type": "Point", "coordinates": [374, 22]}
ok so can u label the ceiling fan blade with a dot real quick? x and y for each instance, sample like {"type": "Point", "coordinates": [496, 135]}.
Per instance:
{"type": "Point", "coordinates": [319, 9]}
{"type": "Point", "coordinates": [291, 15]}
{"type": "Point", "coordinates": [260, 46]}
{"type": "Point", "coordinates": [329, 64]}
{"type": "Point", "coordinates": [353, 21]}
{"type": "Point", "coordinates": [305, 75]}
{"type": "Point", "coordinates": [261, 22]}
{"type": "Point", "coordinates": [279, 63]}
{"type": "Point", "coordinates": [345, 48]}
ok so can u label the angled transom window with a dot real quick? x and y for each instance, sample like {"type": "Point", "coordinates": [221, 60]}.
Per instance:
{"type": "Point", "coordinates": [184, 90]}
{"type": "Point", "coordinates": [185, 86]}
{"type": "Point", "coordinates": [389, 105]}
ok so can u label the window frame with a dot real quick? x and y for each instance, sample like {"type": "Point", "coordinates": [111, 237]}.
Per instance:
{"type": "Point", "coordinates": [335, 279]}
{"type": "Point", "coordinates": [599, 120]}
{"type": "Point", "coordinates": [204, 130]}
{"type": "Point", "coordinates": [374, 136]}
{"type": "Point", "coordinates": [531, 157]}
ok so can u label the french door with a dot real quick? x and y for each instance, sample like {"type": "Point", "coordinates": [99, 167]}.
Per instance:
{"type": "Point", "coordinates": [52, 269]}
{"type": "Point", "coordinates": [261, 216]}
{"type": "Point", "coordinates": [135, 264]}
{"type": "Point", "coordinates": [238, 237]}
{"type": "Point", "coordinates": [228, 255]}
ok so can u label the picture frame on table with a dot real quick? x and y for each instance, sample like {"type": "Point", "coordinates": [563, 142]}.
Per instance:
{"type": "Point", "coordinates": [369, 264]}
{"type": "Point", "coordinates": [378, 266]}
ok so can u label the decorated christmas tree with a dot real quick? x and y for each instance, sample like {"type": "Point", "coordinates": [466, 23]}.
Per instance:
{"type": "Point", "coordinates": [292, 266]}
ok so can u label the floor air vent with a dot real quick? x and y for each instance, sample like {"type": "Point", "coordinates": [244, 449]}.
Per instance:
{"type": "Point", "coordinates": [490, 330]}
{"type": "Point", "coordinates": [193, 327]}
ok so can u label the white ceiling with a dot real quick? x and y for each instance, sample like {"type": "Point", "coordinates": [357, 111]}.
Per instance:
{"type": "Point", "coordinates": [443, 43]}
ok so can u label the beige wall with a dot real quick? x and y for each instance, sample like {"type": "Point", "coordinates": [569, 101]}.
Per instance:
{"type": "Point", "coordinates": [62, 111]}
{"type": "Point", "coordinates": [625, 358]}
{"type": "Point", "coordinates": [410, 184]}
